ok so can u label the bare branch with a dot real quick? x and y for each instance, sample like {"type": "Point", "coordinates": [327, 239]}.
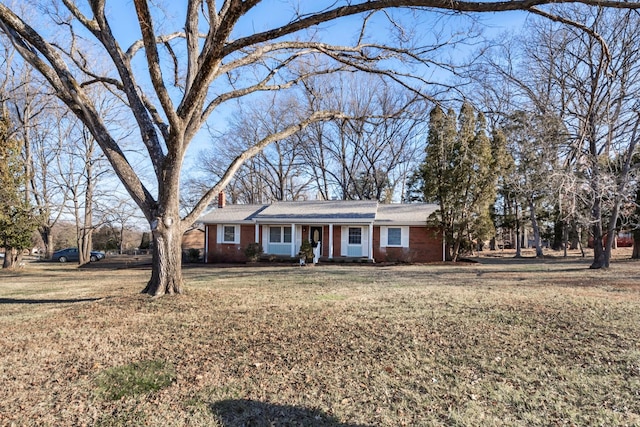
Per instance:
{"type": "Point", "coordinates": [251, 152]}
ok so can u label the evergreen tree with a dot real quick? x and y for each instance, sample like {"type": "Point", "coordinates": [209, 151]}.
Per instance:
{"type": "Point", "coordinates": [459, 173]}
{"type": "Point", "coordinates": [17, 222]}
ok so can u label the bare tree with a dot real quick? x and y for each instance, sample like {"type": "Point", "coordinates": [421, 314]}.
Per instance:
{"type": "Point", "coordinates": [120, 215]}
{"type": "Point", "coordinates": [217, 65]}
{"type": "Point", "coordinates": [590, 82]}
{"type": "Point", "coordinates": [369, 157]}
{"type": "Point", "coordinates": [599, 85]}
{"type": "Point", "coordinates": [277, 173]}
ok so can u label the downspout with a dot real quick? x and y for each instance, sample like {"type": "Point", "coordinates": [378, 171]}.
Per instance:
{"type": "Point", "coordinates": [206, 244]}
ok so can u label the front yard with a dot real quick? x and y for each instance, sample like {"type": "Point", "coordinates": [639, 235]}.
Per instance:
{"type": "Point", "coordinates": [495, 343]}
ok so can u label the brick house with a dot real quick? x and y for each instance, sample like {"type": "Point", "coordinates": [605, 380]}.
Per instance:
{"type": "Point", "coordinates": [338, 230]}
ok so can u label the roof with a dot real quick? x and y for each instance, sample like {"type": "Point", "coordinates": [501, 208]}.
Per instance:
{"type": "Point", "coordinates": [234, 214]}
{"type": "Point", "coordinates": [324, 211]}
{"type": "Point", "coordinates": [319, 210]}
{"type": "Point", "coordinates": [404, 213]}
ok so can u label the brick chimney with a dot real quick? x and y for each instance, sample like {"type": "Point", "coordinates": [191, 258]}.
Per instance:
{"type": "Point", "coordinates": [221, 201]}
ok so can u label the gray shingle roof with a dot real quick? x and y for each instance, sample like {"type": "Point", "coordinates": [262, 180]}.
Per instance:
{"type": "Point", "coordinates": [232, 214]}
{"type": "Point", "coordinates": [404, 214]}
{"type": "Point", "coordinates": [314, 211]}
{"type": "Point", "coordinates": [319, 210]}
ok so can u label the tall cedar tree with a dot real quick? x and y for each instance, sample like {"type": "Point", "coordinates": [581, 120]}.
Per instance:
{"type": "Point", "coordinates": [460, 174]}
{"type": "Point", "coordinates": [16, 220]}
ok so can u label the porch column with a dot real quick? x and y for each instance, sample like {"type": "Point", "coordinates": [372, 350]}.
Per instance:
{"type": "Point", "coordinates": [330, 241]}
{"type": "Point", "coordinates": [294, 254]}
{"type": "Point", "coordinates": [257, 233]}
{"type": "Point", "coordinates": [371, 241]}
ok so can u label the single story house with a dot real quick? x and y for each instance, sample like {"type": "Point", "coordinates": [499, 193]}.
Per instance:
{"type": "Point", "coordinates": [338, 230]}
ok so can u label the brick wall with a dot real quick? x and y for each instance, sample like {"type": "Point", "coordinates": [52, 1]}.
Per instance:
{"type": "Point", "coordinates": [225, 252]}
{"type": "Point", "coordinates": [425, 245]}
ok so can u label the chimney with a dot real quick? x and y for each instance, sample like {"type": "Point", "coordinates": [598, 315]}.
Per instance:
{"type": "Point", "coordinates": [221, 201]}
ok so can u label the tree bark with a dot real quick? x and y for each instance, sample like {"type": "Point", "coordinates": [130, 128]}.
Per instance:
{"type": "Point", "coordinates": [598, 249]}
{"type": "Point", "coordinates": [47, 238]}
{"type": "Point", "coordinates": [536, 228]}
{"type": "Point", "coordinates": [166, 272]}
{"type": "Point", "coordinates": [12, 258]}
{"type": "Point", "coordinates": [518, 238]}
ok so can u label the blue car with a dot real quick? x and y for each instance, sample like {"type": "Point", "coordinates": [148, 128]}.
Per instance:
{"type": "Point", "coordinates": [72, 254]}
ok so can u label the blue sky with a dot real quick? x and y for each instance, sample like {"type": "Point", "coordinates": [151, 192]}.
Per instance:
{"type": "Point", "coordinates": [273, 13]}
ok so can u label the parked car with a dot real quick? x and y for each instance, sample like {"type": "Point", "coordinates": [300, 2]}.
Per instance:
{"type": "Point", "coordinates": [72, 254]}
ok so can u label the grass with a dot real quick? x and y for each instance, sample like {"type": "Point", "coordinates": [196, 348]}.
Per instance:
{"type": "Point", "coordinates": [501, 342]}
{"type": "Point", "coordinates": [135, 378]}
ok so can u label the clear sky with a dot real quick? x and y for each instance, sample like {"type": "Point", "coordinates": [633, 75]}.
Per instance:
{"type": "Point", "coordinates": [423, 28]}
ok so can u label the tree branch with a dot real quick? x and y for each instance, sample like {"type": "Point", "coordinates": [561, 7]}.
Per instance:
{"type": "Point", "coordinates": [206, 199]}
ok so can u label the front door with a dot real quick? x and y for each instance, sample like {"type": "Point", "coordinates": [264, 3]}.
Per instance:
{"type": "Point", "coordinates": [315, 235]}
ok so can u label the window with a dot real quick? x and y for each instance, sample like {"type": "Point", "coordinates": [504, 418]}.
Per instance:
{"type": "Point", "coordinates": [394, 236]}
{"type": "Point", "coordinates": [229, 234]}
{"type": "Point", "coordinates": [279, 234]}
{"type": "Point", "coordinates": [355, 235]}
{"type": "Point", "coordinates": [274, 235]}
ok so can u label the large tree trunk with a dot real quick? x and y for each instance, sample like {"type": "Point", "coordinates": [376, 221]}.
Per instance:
{"type": "Point", "coordinates": [536, 229]}
{"type": "Point", "coordinates": [166, 272]}
{"type": "Point", "coordinates": [636, 245]}
{"type": "Point", "coordinates": [598, 248]}
{"type": "Point", "coordinates": [596, 214]}
{"type": "Point", "coordinates": [518, 239]}
{"type": "Point", "coordinates": [12, 258]}
{"type": "Point", "coordinates": [47, 239]}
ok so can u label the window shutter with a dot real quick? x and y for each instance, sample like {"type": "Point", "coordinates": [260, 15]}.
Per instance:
{"type": "Point", "coordinates": [405, 237]}
{"type": "Point", "coordinates": [383, 237]}
{"type": "Point", "coordinates": [219, 231]}
{"type": "Point", "coordinates": [236, 234]}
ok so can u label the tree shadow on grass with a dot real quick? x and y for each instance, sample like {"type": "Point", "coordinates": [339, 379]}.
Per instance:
{"type": "Point", "coordinates": [45, 301]}
{"type": "Point", "coordinates": [250, 413]}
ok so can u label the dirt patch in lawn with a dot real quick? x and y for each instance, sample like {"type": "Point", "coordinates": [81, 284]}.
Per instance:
{"type": "Point", "coordinates": [515, 343]}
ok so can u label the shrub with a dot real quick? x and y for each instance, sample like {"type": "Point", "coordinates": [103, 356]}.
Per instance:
{"type": "Point", "coordinates": [306, 250]}
{"type": "Point", "coordinates": [253, 251]}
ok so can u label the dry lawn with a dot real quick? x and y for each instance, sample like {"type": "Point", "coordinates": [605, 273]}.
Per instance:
{"type": "Point", "coordinates": [501, 342]}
